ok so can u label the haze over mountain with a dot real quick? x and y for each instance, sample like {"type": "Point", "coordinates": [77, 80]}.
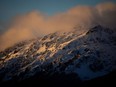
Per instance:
{"type": "Point", "coordinates": [36, 23]}
{"type": "Point", "coordinates": [68, 43]}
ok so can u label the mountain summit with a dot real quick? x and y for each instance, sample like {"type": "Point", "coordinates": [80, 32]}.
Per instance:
{"type": "Point", "coordinates": [89, 54]}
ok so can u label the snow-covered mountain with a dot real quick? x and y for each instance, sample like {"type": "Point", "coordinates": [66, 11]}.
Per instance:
{"type": "Point", "coordinates": [88, 54]}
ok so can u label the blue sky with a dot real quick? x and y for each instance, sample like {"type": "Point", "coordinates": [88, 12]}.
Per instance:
{"type": "Point", "coordinates": [11, 8]}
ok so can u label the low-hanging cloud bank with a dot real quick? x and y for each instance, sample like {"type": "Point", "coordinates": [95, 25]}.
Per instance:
{"type": "Point", "coordinates": [35, 23]}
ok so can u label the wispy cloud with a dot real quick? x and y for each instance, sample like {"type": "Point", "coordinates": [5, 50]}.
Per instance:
{"type": "Point", "coordinates": [24, 26]}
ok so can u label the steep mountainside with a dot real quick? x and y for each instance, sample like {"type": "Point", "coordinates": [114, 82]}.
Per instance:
{"type": "Point", "coordinates": [88, 54]}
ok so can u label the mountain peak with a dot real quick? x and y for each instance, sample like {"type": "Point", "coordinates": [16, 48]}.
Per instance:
{"type": "Point", "coordinates": [100, 28]}
{"type": "Point", "coordinates": [69, 52]}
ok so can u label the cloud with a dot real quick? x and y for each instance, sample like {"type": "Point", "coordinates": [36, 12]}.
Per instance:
{"type": "Point", "coordinates": [107, 14]}
{"type": "Point", "coordinates": [35, 23]}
